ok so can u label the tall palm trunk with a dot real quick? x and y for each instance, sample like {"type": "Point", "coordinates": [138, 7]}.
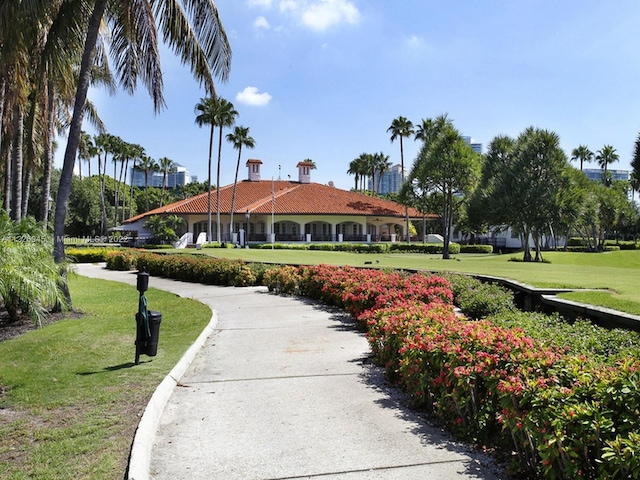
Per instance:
{"type": "Point", "coordinates": [133, 172]}
{"type": "Point", "coordinates": [7, 179]}
{"type": "Point", "coordinates": [116, 188]}
{"type": "Point", "coordinates": [48, 157]}
{"type": "Point", "coordinates": [233, 195]}
{"type": "Point", "coordinates": [406, 207]}
{"type": "Point", "coordinates": [64, 188]}
{"type": "Point", "coordinates": [102, 170]}
{"type": "Point", "coordinates": [218, 186]}
{"type": "Point", "coordinates": [16, 164]}
{"type": "Point", "coordinates": [209, 233]}
{"type": "Point", "coordinates": [7, 171]}
{"type": "Point", "coordinates": [164, 186]}
{"type": "Point", "coordinates": [123, 184]}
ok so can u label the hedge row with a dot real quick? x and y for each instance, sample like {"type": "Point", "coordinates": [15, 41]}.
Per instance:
{"type": "Point", "coordinates": [89, 254]}
{"type": "Point", "coordinates": [428, 248]}
{"type": "Point", "coordinates": [189, 268]}
{"type": "Point", "coordinates": [567, 406]}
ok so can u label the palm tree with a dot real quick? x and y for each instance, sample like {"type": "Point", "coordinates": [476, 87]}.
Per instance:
{"type": "Point", "coordinates": [194, 32]}
{"type": "Point", "coordinates": [383, 164]}
{"type": "Point", "coordinates": [138, 154]}
{"type": "Point", "coordinates": [216, 112]}
{"type": "Point", "coordinates": [147, 165]}
{"type": "Point", "coordinates": [239, 138]}
{"type": "Point", "coordinates": [166, 166]}
{"type": "Point", "coordinates": [206, 107]}
{"type": "Point", "coordinates": [354, 169]}
{"type": "Point", "coordinates": [401, 128]}
{"type": "Point", "coordinates": [582, 154]}
{"type": "Point", "coordinates": [606, 156]}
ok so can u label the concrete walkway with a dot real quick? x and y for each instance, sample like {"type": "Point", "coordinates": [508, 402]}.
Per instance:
{"type": "Point", "coordinates": [283, 388]}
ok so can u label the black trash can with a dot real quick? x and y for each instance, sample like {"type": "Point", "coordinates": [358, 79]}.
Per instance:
{"type": "Point", "coordinates": [151, 347]}
{"type": "Point", "coordinates": [147, 345]}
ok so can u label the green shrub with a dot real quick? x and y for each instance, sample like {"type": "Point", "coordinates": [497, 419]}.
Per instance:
{"type": "Point", "coordinates": [427, 248]}
{"type": "Point", "coordinates": [88, 254]}
{"type": "Point", "coordinates": [477, 299]}
{"type": "Point", "coordinates": [476, 248]}
{"type": "Point", "coordinates": [124, 259]}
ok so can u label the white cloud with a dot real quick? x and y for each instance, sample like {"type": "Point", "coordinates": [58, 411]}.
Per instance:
{"type": "Point", "coordinates": [259, 3]}
{"type": "Point", "coordinates": [320, 15]}
{"type": "Point", "coordinates": [261, 22]}
{"type": "Point", "coordinates": [250, 96]}
{"type": "Point", "coordinates": [415, 41]}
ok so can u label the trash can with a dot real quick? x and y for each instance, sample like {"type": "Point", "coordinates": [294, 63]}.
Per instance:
{"type": "Point", "coordinates": [151, 347]}
{"type": "Point", "coordinates": [147, 334]}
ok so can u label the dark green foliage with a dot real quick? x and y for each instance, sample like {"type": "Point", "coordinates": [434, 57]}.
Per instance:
{"type": "Point", "coordinates": [477, 299]}
{"type": "Point", "coordinates": [476, 248]}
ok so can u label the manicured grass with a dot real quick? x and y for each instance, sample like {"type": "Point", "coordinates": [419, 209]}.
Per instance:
{"type": "Point", "coordinates": [616, 272]}
{"type": "Point", "coordinates": [73, 396]}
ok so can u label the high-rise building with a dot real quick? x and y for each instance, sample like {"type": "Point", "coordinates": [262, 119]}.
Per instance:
{"type": "Point", "coordinates": [391, 181]}
{"type": "Point", "coordinates": [176, 179]}
{"type": "Point", "coordinates": [475, 146]}
{"type": "Point", "coordinates": [596, 174]}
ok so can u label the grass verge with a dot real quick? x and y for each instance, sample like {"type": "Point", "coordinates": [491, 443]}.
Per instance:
{"type": "Point", "coordinates": [70, 394]}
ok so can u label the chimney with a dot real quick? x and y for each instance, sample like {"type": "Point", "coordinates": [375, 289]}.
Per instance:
{"type": "Point", "coordinates": [253, 166]}
{"type": "Point", "coordinates": [304, 171]}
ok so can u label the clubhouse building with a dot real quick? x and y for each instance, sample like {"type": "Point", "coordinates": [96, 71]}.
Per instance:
{"type": "Point", "coordinates": [284, 211]}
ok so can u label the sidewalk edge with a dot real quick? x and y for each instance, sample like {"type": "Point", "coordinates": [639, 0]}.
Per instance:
{"type": "Point", "coordinates": [140, 458]}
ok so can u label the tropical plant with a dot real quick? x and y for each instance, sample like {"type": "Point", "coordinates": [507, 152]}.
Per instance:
{"type": "Point", "coordinates": [147, 165]}
{"type": "Point", "coordinates": [401, 128]}
{"type": "Point", "coordinates": [29, 279]}
{"type": "Point", "coordinates": [166, 166]}
{"type": "Point", "coordinates": [605, 157]}
{"type": "Point", "coordinates": [239, 138]}
{"type": "Point", "coordinates": [582, 154]}
{"type": "Point", "coordinates": [449, 169]}
{"type": "Point", "coordinates": [194, 32]}
{"type": "Point", "coordinates": [163, 228]}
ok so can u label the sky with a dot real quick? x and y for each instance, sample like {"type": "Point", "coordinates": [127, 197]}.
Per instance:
{"type": "Point", "coordinates": [324, 79]}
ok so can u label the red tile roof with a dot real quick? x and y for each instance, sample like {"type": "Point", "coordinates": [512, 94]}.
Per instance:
{"type": "Point", "coordinates": [290, 198]}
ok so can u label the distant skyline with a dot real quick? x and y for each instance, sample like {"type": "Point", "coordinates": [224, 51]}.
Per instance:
{"type": "Point", "coordinates": [323, 79]}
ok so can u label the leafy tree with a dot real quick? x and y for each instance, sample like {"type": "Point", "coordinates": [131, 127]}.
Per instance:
{"type": "Point", "coordinates": [446, 166]}
{"type": "Point", "coordinates": [582, 154]}
{"type": "Point", "coordinates": [164, 228]}
{"type": "Point", "coordinates": [401, 128]}
{"type": "Point", "coordinates": [84, 213]}
{"type": "Point", "coordinates": [191, 189]}
{"type": "Point", "coordinates": [520, 183]}
{"type": "Point", "coordinates": [382, 164]}
{"type": "Point", "coordinates": [239, 138]}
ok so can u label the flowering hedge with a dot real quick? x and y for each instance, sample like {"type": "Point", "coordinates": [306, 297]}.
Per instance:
{"type": "Point", "coordinates": [563, 414]}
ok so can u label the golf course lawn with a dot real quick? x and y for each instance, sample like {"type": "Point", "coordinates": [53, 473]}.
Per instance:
{"type": "Point", "coordinates": [617, 273]}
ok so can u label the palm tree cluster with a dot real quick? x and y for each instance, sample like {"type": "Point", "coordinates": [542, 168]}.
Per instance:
{"type": "Point", "coordinates": [52, 51]}
{"type": "Point", "coordinates": [372, 166]}
{"type": "Point", "coordinates": [219, 112]}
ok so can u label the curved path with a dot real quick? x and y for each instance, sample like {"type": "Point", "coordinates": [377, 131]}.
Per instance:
{"type": "Point", "coordinates": [283, 388]}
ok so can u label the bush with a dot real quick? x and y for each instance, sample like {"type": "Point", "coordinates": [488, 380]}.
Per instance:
{"type": "Point", "coordinates": [477, 299]}
{"type": "Point", "coordinates": [476, 248]}
{"type": "Point", "coordinates": [88, 254]}
{"type": "Point", "coordinates": [427, 248]}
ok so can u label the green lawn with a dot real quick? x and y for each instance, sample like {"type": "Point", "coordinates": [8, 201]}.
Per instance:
{"type": "Point", "coordinates": [616, 272]}
{"type": "Point", "coordinates": [70, 394]}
